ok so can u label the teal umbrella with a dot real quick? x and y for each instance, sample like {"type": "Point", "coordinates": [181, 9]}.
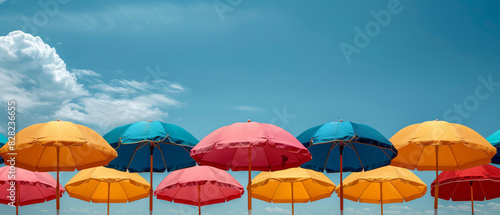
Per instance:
{"type": "Point", "coordinates": [494, 139]}
{"type": "Point", "coordinates": [151, 147]}
{"type": "Point", "coordinates": [3, 141]}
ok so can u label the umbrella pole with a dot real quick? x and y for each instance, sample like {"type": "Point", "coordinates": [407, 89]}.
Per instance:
{"type": "Point", "coordinates": [381, 201]}
{"type": "Point", "coordinates": [151, 148]}
{"type": "Point", "coordinates": [341, 148]}
{"type": "Point", "coordinates": [199, 199]}
{"type": "Point", "coordinates": [109, 190]}
{"type": "Point", "coordinates": [292, 199]}
{"type": "Point", "coordinates": [58, 203]}
{"type": "Point", "coordinates": [472, 197]}
{"type": "Point", "coordinates": [436, 191]}
{"type": "Point", "coordinates": [249, 188]}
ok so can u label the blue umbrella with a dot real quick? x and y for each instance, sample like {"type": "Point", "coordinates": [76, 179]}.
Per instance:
{"type": "Point", "coordinates": [151, 147]}
{"type": "Point", "coordinates": [346, 146]}
{"type": "Point", "coordinates": [494, 139]}
{"type": "Point", "coordinates": [3, 141]}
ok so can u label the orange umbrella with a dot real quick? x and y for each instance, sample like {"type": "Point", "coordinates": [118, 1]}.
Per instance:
{"type": "Point", "coordinates": [439, 145]}
{"type": "Point", "coordinates": [58, 146]}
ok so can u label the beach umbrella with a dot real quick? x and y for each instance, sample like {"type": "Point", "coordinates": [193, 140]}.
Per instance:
{"type": "Point", "coordinates": [105, 185]}
{"type": "Point", "coordinates": [151, 146]}
{"type": "Point", "coordinates": [3, 141]}
{"type": "Point", "coordinates": [494, 139]}
{"type": "Point", "coordinates": [199, 186]}
{"type": "Point", "coordinates": [439, 145]}
{"type": "Point", "coordinates": [250, 146]}
{"type": "Point", "coordinates": [474, 184]}
{"type": "Point", "coordinates": [388, 184]}
{"type": "Point", "coordinates": [59, 146]}
{"type": "Point", "coordinates": [346, 147]}
{"type": "Point", "coordinates": [26, 187]}
{"type": "Point", "coordinates": [294, 185]}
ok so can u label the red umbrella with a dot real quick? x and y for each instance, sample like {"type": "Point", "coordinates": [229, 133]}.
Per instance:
{"type": "Point", "coordinates": [28, 187]}
{"type": "Point", "coordinates": [250, 146]}
{"type": "Point", "coordinates": [199, 186]}
{"type": "Point", "coordinates": [477, 183]}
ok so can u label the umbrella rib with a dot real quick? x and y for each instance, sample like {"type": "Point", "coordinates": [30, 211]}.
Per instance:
{"type": "Point", "coordinates": [90, 198]}
{"type": "Point", "coordinates": [453, 193]}
{"type": "Point", "coordinates": [276, 190]}
{"type": "Point", "coordinates": [307, 192]}
{"type": "Point", "coordinates": [40, 158]}
{"type": "Point", "coordinates": [482, 190]}
{"type": "Point", "coordinates": [453, 154]}
{"type": "Point", "coordinates": [355, 150]}
{"type": "Point", "coordinates": [403, 197]}
{"type": "Point", "coordinates": [133, 154]}
{"type": "Point", "coordinates": [420, 155]}
{"type": "Point", "coordinates": [363, 189]}
{"type": "Point", "coordinates": [44, 197]}
{"type": "Point", "coordinates": [328, 156]}
{"type": "Point", "coordinates": [128, 198]}
{"type": "Point", "coordinates": [162, 158]}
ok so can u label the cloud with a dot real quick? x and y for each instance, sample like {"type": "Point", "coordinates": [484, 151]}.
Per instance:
{"type": "Point", "coordinates": [81, 73]}
{"type": "Point", "coordinates": [247, 108]}
{"type": "Point", "coordinates": [2, 1]}
{"type": "Point", "coordinates": [34, 75]}
{"type": "Point", "coordinates": [276, 210]}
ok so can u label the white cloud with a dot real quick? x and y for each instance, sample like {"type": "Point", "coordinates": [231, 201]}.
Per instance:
{"type": "Point", "coordinates": [276, 210]}
{"type": "Point", "coordinates": [247, 108]}
{"type": "Point", "coordinates": [80, 73]}
{"type": "Point", "coordinates": [2, 1]}
{"type": "Point", "coordinates": [34, 75]}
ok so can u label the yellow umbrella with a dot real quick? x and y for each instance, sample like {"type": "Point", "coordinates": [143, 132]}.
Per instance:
{"type": "Point", "coordinates": [383, 185]}
{"type": "Point", "coordinates": [106, 185]}
{"type": "Point", "coordinates": [292, 185]}
{"type": "Point", "coordinates": [58, 146]}
{"type": "Point", "coordinates": [439, 145]}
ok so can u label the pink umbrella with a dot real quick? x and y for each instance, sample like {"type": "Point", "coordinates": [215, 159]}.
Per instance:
{"type": "Point", "coordinates": [27, 188]}
{"type": "Point", "coordinates": [199, 186]}
{"type": "Point", "coordinates": [250, 146]}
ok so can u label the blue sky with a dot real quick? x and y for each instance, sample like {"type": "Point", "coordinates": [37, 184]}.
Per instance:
{"type": "Point", "coordinates": [206, 64]}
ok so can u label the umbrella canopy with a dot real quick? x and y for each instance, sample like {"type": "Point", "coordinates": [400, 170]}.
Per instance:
{"type": "Point", "coordinates": [151, 146]}
{"type": "Point", "coordinates": [439, 145]}
{"type": "Point", "coordinates": [250, 146]}
{"type": "Point", "coordinates": [30, 187]}
{"type": "Point", "coordinates": [474, 184]}
{"type": "Point", "coordinates": [291, 186]}
{"type": "Point", "coordinates": [199, 186]}
{"type": "Point", "coordinates": [494, 139]}
{"type": "Point", "coordinates": [105, 185]}
{"type": "Point", "coordinates": [59, 146]}
{"type": "Point", "coordinates": [3, 141]}
{"type": "Point", "coordinates": [384, 185]}
{"type": "Point", "coordinates": [346, 146]}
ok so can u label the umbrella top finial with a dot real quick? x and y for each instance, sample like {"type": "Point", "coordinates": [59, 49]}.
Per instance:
{"type": "Point", "coordinates": [58, 120]}
{"type": "Point", "coordinates": [249, 120]}
{"type": "Point", "coordinates": [149, 120]}
{"type": "Point", "coordinates": [341, 120]}
{"type": "Point", "coordinates": [437, 119]}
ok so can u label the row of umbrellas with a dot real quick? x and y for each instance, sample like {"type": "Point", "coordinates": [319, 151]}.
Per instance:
{"type": "Point", "coordinates": [249, 146]}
